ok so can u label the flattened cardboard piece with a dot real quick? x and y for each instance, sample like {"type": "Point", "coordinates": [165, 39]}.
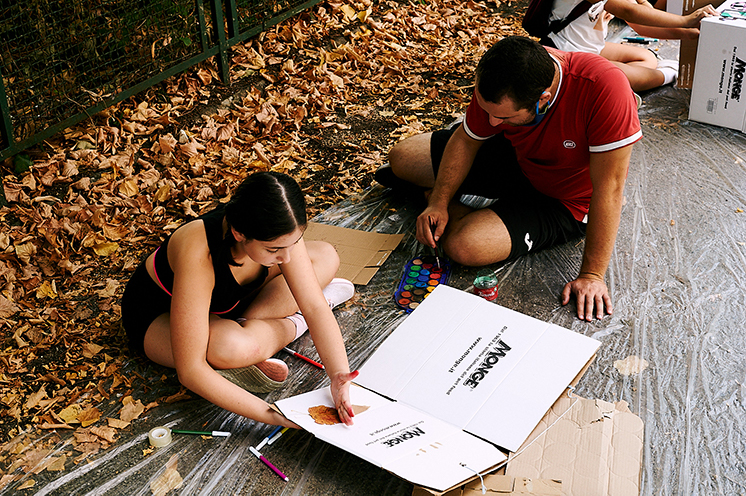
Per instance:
{"type": "Point", "coordinates": [592, 446]}
{"type": "Point", "coordinates": [484, 368]}
{"type": "Point", "coordinates": [361, 253]}
{"type": "Point", "coordinates": [688, 48]}
{"type": "Point", "coordinates": [408, 443]}
{"type": "Point", "coordinates": [502, 485]}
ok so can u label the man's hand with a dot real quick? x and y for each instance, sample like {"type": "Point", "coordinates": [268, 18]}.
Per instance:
{"type": "Point", "coordinates": [589, 290]}
{"type": "Point", "coordinates": [340, 388]}
{"type": "Point", "coordinates": [430, 225]}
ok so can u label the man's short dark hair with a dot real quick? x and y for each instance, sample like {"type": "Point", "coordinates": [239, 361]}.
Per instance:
{"type": "Point", "coordinates": [516, 67]}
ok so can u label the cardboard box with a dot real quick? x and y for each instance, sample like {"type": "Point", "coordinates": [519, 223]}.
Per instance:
{"type": "Point", "coordinates": [502, 485]}
{"type": "Point", "coordinates": [718, 93]}
{"type": "Point", "coordinates": [457, 378]}
{"type": "Point", "coordinates": [361, 253]}
{"type": "Point", "coordinates": [688, 48]}
{"type": "Point", "coordinates": [592, 446]}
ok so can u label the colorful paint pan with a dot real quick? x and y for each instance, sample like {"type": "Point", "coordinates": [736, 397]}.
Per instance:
{"type": "Point", "coordinates": [420, 277]}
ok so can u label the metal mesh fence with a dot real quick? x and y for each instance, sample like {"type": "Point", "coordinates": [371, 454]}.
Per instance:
{"type": "Point", "coordinates": [251, 13]}
{"type": "Point", "coordinates": [61, 58]}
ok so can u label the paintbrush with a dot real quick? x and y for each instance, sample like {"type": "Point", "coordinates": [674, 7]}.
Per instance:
{"type": "Point", "coordinates": [437, 251]}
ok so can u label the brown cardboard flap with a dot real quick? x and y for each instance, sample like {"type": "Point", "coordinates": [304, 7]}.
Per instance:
{"type": "Point", "coordinates": [506, 484]}
{"type": "Point", "coordinates": [502, 485]}
{"type": "Point", "coordinates": [361, 253]}
{"type": "Point", "coordinates": [592, 446]}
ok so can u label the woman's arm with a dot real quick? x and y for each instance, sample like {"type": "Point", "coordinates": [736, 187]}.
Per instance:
{"type": "Point", "coordinates": [194, 280]}
{"type": "Point", "coordinates": [645, 14]}
{"type": "Point", "coordinates": [322, 326]}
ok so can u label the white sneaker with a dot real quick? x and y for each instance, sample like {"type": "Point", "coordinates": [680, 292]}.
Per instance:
{"type": "Point", "coordinates": [338, 291]}
{"type": "Point", "coordinates": [671, 64]}
{"type": "Point", "coordinates": [638, 100]}
{"type": "Point", "coordinates": [263, 377]}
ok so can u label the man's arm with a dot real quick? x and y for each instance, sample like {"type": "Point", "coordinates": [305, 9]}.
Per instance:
{"type": "Point", "coordinates": [608, 172]}
{"type": "Point", "coordinates": [458, 157]}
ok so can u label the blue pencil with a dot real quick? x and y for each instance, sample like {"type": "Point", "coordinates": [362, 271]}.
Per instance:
{"type": "Point", "coordinates": [266, 439]}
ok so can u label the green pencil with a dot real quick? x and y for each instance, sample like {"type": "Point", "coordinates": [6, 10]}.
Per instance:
{"type": "Point", "coordinates": [203, 433]}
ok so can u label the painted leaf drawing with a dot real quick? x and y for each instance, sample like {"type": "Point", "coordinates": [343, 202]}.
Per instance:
{"type": "Point", "coordinates": [326, 415]}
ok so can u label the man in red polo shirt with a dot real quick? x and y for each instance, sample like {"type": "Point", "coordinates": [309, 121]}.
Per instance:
{"type": "Point", "coordinates": [540, 158]}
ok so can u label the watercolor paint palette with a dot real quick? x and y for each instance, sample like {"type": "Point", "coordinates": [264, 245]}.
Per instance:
{"type": "Point", "coordinates": [421, 276]}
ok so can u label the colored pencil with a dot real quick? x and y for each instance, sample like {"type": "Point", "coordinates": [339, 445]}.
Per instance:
{"type": "Point", "coordinates": [298, 355]}
{"type": "Point", "coordinates": [279, 434]}
{"type": "Point", "coordinates": [266, 439]}
{"type": "Point", "coordinates": [203, 433]}
{"type": "Point", "coordinates": [266, 462]}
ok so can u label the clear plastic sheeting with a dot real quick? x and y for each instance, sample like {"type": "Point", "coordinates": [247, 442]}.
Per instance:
{"type": "Point", "coordinates": [678, 283]}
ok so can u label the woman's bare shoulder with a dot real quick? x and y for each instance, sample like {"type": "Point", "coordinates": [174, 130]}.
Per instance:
{"type": "Point", "coordinates": [189, 244]}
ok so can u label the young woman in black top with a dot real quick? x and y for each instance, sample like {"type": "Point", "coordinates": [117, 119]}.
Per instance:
{"type": "Point", "coordinates": [232, 288]}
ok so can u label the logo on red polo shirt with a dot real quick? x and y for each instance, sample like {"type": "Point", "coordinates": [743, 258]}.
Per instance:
{"type": "Point", "coordinates": [569, 144]}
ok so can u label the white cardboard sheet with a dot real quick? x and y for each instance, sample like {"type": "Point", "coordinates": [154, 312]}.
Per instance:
{"type": "Point", "coordinates": [492, 371]}
{"type": "Point", "coordinates": [458, 378]}
{"type": "Point", "coordinates": [411, 444]}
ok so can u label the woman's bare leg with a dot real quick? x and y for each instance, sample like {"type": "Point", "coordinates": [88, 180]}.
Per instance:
{"type": "Point", "coordinates": [638, 64]}
{"type": "Point", "coordinates": [265, 330]}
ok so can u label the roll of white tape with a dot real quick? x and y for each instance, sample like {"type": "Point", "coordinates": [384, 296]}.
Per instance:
{"type": "Point", "coordinates": [159, 436]}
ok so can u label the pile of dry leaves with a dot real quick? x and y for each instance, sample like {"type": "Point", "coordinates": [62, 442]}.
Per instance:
{"type": "Point", "coordinates": [321, 96]}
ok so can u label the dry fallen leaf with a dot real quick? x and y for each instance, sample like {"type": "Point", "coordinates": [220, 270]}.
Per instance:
{"type": "Point", "coordinates": [29, 483]}
{"type": "Point", "coordinates": [70, 414]}
{"type": "Point", "coordinates": [58, 464]}
{"type": "Point", "coordinates": [131, 410]}
{"type": "Point", "coordinates": [89, 416]}
{"type": "Point", "coordinates": [105, 249]}
{"type": "Point", "coordinates": [170, 479]}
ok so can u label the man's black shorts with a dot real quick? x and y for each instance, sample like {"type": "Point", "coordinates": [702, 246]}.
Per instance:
{"type": "Point", "coordinates": [534, 220]}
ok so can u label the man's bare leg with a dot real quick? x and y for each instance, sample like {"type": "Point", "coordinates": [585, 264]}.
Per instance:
{"type": "Point", "coordinates": [475, 237]}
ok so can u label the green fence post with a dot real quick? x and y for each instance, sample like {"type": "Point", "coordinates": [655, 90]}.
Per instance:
{"type": "Point", "coordinates": [6, 125]}
{"type": "Point", "coordinates": [232, 13]}
{"type": "Point", "coordinates": [219, 26]}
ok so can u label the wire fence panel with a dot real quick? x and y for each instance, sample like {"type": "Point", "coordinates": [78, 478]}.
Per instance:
{"type": "Point", "coordinates": [64, 59]}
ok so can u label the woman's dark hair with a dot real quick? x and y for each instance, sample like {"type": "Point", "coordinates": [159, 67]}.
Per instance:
{"type": "Point", "coordinates": [265, 206]}
{"type": "Point", "coordinates": [516, 67]}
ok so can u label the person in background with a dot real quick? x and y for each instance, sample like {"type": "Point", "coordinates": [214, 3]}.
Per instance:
{"type": "Point", "coordinates": [226, 291]}
{"type": "Point", "coordinates": [643, 68]}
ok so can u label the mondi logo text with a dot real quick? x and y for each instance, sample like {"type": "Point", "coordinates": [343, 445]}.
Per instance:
{"type": "Point", "coordinates": [489, 361]}
{"type": "Point", "coordinates": [738, 70]}
{"type": "Point", "coordinates": [404, 437]}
